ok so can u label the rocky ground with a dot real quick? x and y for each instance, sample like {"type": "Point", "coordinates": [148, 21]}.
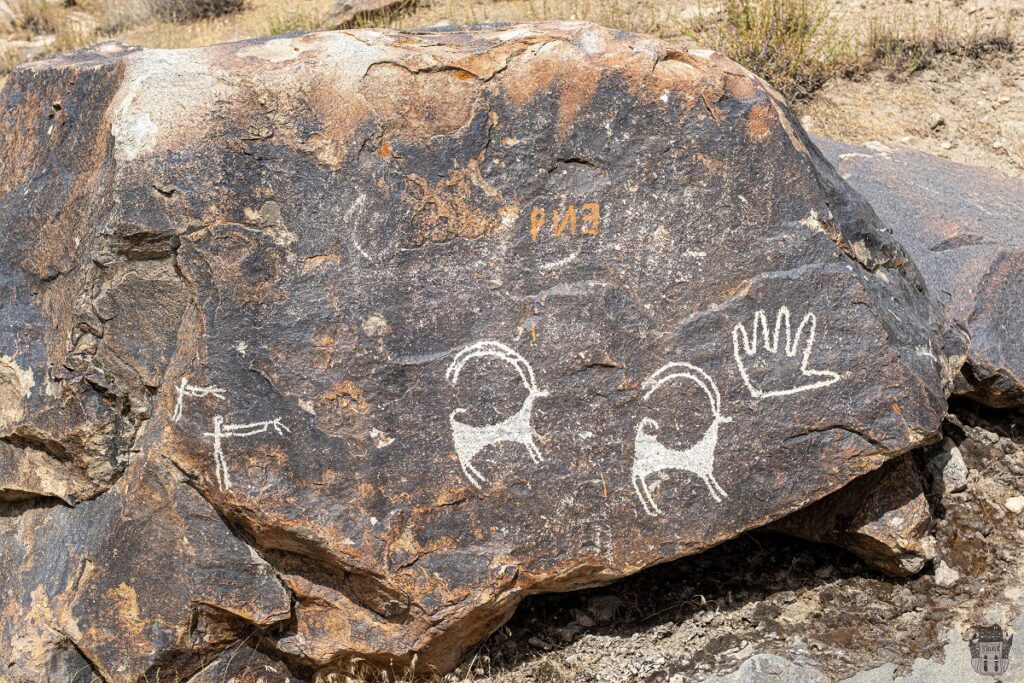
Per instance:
{"type": "Point", "coordinates": [969, 110]}
{"type": "Point", "coordinates": [819, 609]}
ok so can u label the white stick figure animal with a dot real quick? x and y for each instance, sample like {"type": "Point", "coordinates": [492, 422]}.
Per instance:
{"type": "Point", "coordinates": [746, 346]}
{"type": "Point", "coordinates": [471, 439]}
{"type": "Point", "coordinates": [222, 431]}
{"type": "Point", "coordinates": [651, 456]}
{"type": "Point", "coordinates": [185, 389]}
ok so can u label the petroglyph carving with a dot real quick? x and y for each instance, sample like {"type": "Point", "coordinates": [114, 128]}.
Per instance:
{"type": "Point", "coordinates": [784, 348]}
{"type": "Point", "coordinates": [185, 389]}
{"type": "Point", "coordinates": [651, 456]}
{"type": "Point", "coordinates": [471, 439]}
{"type": "Point", "coordinates": [223, 431]}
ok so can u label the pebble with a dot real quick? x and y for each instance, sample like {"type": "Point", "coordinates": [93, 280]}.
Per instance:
{"type": "Point", "coordinates": [946, 145]}
{"type": "Point", "coordinates": [946, 576]}
{"type": "Point", "coordinates": [663, 631]}
{"type": "Point", "coordinates": [568, 633]}
{"type": "Point", "coordinates": [1015, 504]}
{"type": "Point", "coordinates": [935, 120]}
{"type": "Point", "coordinates": [538, 643]}
{"type": "Point", "coordinates": [584, 619]}
{"type": "Point", "coordinates": [947, 469]}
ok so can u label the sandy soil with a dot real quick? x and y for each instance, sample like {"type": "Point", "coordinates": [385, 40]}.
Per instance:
{"type": "Point", "coordinates": [967, 110]}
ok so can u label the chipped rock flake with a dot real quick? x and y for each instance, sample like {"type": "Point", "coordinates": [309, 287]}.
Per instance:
{"type": "Point", "coordinates": [16, 384]}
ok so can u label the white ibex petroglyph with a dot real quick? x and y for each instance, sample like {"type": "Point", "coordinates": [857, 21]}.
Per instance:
{"type": "Point", "coordinates": [650, 456]}
{"type": "Point", "coordinates": [222, 431]}
{"type": "Point", "coordinates": [471, 439]}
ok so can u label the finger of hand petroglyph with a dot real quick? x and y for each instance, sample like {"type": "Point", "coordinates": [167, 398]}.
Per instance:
{"type": "Point", "coordinates": [749, 344]}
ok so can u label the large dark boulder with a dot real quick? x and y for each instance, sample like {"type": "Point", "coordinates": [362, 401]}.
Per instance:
{"type": "Point", "coordinates": [964, 227]}
{"type": "Point", "coordinates": [431, 322]}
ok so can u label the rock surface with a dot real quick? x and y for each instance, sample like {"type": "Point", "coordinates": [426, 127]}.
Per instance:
{"type": "Point", "coordinates": [946, 470]}
{"type": "Point", "coordinates": [964, 227]}
{"type": "Point", "coordinates": [431, 322]}
{"type": "Point", "coordinates": [883, 517]}
{"type": "Point", "coordinates": [144, 578]}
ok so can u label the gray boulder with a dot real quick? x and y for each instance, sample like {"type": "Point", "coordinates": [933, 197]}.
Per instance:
{"type": "Point", "coordinates": [964, 227]}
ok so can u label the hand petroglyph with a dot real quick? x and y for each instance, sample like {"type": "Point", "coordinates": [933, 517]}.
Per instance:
{"type": "Point", "coordinates": [781, 349]}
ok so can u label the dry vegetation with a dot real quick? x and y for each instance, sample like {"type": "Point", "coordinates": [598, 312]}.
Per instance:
{"type": "Point", "coordinates": [797, 45]}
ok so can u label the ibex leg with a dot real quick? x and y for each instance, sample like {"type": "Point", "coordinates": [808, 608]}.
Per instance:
{"type": "Point", "coordinates": [474, 476]}
{"type": "Point", "coordinates": [534, 451]}
{"type": "Point", "coordinates": [644, 494]}
{"type": "Point", "coordinates": [709, 480]}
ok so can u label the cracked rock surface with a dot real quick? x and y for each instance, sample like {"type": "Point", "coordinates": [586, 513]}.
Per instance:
{"type": "Point", "coordinates": [964, 227]}
{"type": "Point", "coordinates": [340, 345]}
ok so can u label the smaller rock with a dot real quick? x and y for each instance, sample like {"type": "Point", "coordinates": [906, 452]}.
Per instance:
{"type": "Point", "coordinates": [1015, 504]}
{"type": "Point", "coordinates": [936, 121]}
{"type": "Point", "coordinates": [568, 633]}
{"type": "Point", "coordinates": [539, 644]}
{"type": "Point", "coordinates": [946, 145]}
{"type": "Point", "coordinates": [583, 618]}
{"type": "Point", "coordinates": [883, 517]}
{"type": "Point", "coordinates": [946, 470]}
{"type": "Point", "coordinates": [604, 608]}
{"type": "Point", "coordinates": [946, 576]}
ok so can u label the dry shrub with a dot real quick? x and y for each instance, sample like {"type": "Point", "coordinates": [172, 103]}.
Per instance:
{"type": "Point", "coordinates": [188, 10]}
{"type": "Point", "coordinates": [903, 47]}
{"type": "Point", "coordinates": [790, 43]}
{"type": "Point", "coordinates": [121, 14]}
{"type": "Point", "coordinates": [285, 20]}
{"type": "Point", "coordinates": [30, 16]}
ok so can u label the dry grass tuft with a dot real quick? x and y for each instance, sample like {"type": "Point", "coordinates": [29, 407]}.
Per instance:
{"type": "Point", "coordinates": [30, 16]}
{"type": "Point", "coordinates": [790, 43]}
{"type": "Point", "coordinates": [296, 19]}
{"type": "Point", "coordinates": [903, 47]}
{"type": "Point", "coordinates": [117, 15]}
